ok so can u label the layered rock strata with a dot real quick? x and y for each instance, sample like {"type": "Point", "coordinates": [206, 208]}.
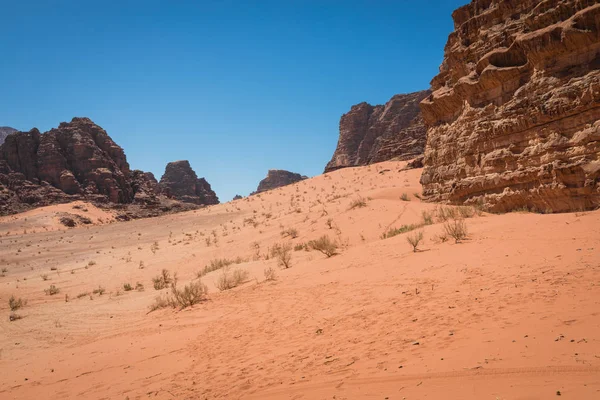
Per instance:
{"type": "Point", "coordinates": [513, 120]}
{"type": "Point", "coordinates": [181, 182]}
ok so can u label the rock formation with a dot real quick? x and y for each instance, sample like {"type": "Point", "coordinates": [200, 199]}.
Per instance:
{"type": "Point", "coordinates": [278, 178]}
{"type": "Point", "coordinates": [181, 182]}
{"type": "Point", "coordinates": [370, 134]}
{"type": "Point", "coordinates": [513, 120]}
{"type": "Point", "coordinates": [76, 161]}
{"type": "Point", "coordinates": [4, 132]}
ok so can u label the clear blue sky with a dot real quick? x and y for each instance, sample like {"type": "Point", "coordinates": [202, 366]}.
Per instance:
{"type": "Point", "coordinates": [236, 87]}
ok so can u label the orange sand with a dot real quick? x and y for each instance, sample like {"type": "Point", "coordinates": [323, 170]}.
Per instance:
{"type": "Point", "coordinates": [511, 313]}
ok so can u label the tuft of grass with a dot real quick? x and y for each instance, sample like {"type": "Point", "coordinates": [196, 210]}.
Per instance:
{"type": "Point", "coordinates": [127, 287]}
{"type": "Point", "coordinates": [100, 291]}
{"type": "Point", "coordinates": [15, 303]}
{"type": "Point", "coordinates": [456, 229]}
{"type": "Point", "coordinates": [300, 247]}
{"type": "Point", "coordinates": [291, 232]}
{"type": "Point", "coordinates": [44, 277]}
{"type": "Point", "coordinates": [270, 274]}
{"type": "Point", "coordinates": [163, 280]}
{"type": "Point", "coordinates": [52, 290]}
{"type": "Point", "coordinates": [324, 245]}
{"type": "Point", "coordinates": [283, 253]}
{"type": "Point", "coordinates": [404, 197]}
{"type": "Point", "coordinates": [229, 280]}
{"type": "Point", "coordinates": [359, 202]}
{"type": "Point", "coordinates": [414, 239]}
{"type": "Point", "coordinates": [398, 231]}
{"type": "Point", "coordinates": [84, 294]}
{"type": "Point", "coordinates": [427, 217]}
{"type": "Point", "coordinates": [139, 287]}
{"type": "Point", "coordinates": [216, 264]}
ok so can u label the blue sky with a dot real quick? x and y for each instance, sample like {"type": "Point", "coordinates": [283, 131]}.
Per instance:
{"type": "Point", "coordinates": [236, 87]}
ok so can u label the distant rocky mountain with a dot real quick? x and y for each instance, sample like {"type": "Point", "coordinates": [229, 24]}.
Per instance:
{"type": "Point", "coordinates": [76, 161]}
{"type": "Point", "coordinates": [514, 116]}
{"type": "Point", "coordinates": [370, 134]}
{"type": "Point", "coordinates": [4, 132]}
{"type": "Point", "coordinates": [278, 178]}
{"type": "Point", "coordinates": [181, 182]}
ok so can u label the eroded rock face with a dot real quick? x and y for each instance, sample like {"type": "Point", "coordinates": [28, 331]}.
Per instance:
{"type": "Point", "coordinates": [5, 131]}
{"type": "Point", "coordinates": [278, 178]}
{"type": "Point", "coordinates": [513, 120]}
{"type": "Point", "coordinates": [370, 134]}
{"type": "Point", "coordinates": [76, 161]}
{"type": "Point", "coordinates": [181, 182]}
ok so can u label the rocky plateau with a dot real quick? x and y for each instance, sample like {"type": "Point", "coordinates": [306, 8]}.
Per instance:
{"type": "Point", "coordinates": [277, 178]}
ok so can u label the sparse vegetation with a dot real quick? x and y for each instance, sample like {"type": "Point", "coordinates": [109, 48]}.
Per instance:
{"type": "Point", "coordinates": [162, 281]}
{"type": "Point", "coordinates": [270, 274]}
{"type": "Point", "coordinates": [414, 239]}
{"type": "Point", "coordinates": [291, 232]}
{"type": "Point", "coordinates": [427, 217]}
{"type": "Point", "coordinates": [283, 253]}
{"type": "Point", "coordinates": [398, 231]}
{"type": "Point", "coordinates": [52, 290]}
{"type": "Point", "coordinates": [404, 197]}
{"type": "Point", "coordinates": [324, 245]}
{"type": "Point", "coordinates": [191, 294]}
{"type": "Point", "coordinates": [127, 287]}
{"type": "Point", "coordinates": [359, 202]}
{"type": "Point", "coordinates": [216, 264]}
{"type": "Point", "coordinates": [229, 280]}
{"type": "Point", "coordinates": [457, 229]}
{"type": "Point", "coordinates": [14, 317]}
{"type": "Point", "coordinates": [99, 291]}
{"type": "Point", "coordinates": [15, 303]}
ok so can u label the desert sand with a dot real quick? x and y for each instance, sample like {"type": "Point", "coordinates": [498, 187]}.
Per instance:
{"type": "Point", "coordinates": [512, 312]}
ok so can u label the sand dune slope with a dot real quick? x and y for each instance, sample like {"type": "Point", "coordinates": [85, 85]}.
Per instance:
{"type": "Point", "coordinates": [512, 312]}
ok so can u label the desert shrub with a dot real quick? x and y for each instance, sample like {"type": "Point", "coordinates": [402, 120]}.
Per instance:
{"type": "Point", "coordinates": [52, 290]}
{"type": "Point", "coordinates": [68, 222]}
{"type": "Point", "coordinates": [162, 301]}
{"type": "Point", "coordinates": [414, 239]}
{"type": "Point", "coordinates": [270, 274]}
{"type": "Point", "coordinates": [457, 229]}
{"type": "Point", "coordinates": [100, 291]}
{"type": "Point", "coordinates": [427, 218]}
{"type": "Point", "coordinates": [139, 287]}
{"type": "Point", "coordinates": [83, 294]}
{"type": "Point", "coordinates": [291, 232]}
{"type": "Point", "coordinates": [398, 231]}
{"type": "Point", "coordinates": [283, 253]}
{"type": "Point", "coordinates": [329, 223]}
{"type": "Point", "coordinates": [4, 271]}
{"type": "Point", "coordinates": [229, 280]}
{"type": "Point", "coordinates": [127, 287]}
{"type": "Point", "coordinates": [191, 294]}
{"type": "Point", "coordinates": [446, 213]}
{"type": "Point", "coordinates": [154, 247]}
{"type": "Point", "coordinates": [300, 247]}
{"type": "Point", "coordinates": [216, 264]}
{"type": "Point", "coordinates": [359, 202]}
{"type": "Point", "coordinates": [44, 277]}
{"type": "Point", "coordinates": [163, 280]}
{"type": "Point", "coordinates": [467, 212]}
{"type": "Point", "coordinates": [324, 245]}
{"type": "Point", "coordinates": [15, 303]}
{"type": "Point", "coordinates": [404, 197]}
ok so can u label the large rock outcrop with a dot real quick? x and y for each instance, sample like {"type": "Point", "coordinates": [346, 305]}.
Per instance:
{"type": "Point", "coordinates": [370, 134]}
{"type": "Point", "coordinates": [181, 182]}
{"type": "Point", "coordinates": [76, 161]}
{"type": "Point", "coordinates": [278, 178]}
{"type": "Point", "coordinates": [4, 132]}
{"type": "Point", "coordinates": [513, 120]}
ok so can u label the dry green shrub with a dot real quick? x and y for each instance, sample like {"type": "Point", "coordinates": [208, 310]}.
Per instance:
{"type": "Point", "coordinates": [15, 303]}
{"type": "Point", "coordinates": [163, 280]}
{"type": "Point", "coordinates": [359, 202]}
{"type": "Point", "coordinates": [446, 213]}
{"type": "Point", "coordinates": [270, 274]}
{"type": "Point", "coordinates": [291, 232]}
{"type": "Point", "coordinates": [162, 301]}
{"type": "Point", "coordinates": [191, 294]}
{"type": "Point", "coordinates": [127, 287]}
{"type": "Point", "coordinates": [324, 245]}
{"type": "Point", "coordinates": [414, 239]}
{"type": "Point", "coordinates": [404, 197]}
{"type": "Point", "coordinates": [457, 229]}
{"type": "Point", "coordinates": [52, 290]}
{"type": "Point", "coordinates": [427, 217]}
{"type": "Point", "coordinates": [229, 280]}
{"type": "Point", "coordinates": [300, 247]}
{"type": "Point", "coordinates": [283, 253]}
{"type": "Point", "coordinates": [216, 264]}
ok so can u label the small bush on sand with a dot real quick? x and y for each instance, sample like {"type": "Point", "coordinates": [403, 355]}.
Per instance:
{"type": "Point", "coordinates": [427, 218]}
{"type": "Point", "coordinates": [14, 317]}
{"type": "Point", "coordinates": [216, 264]}
{"type": "Point", "coordinates": [229, 280]}
{"type": "Point", "coordinates": [52, 290]}
{"type": "Point", "coordinates": [457, 229]}
{"type": "Point", "coordinates": [100, 291]}
{"type": "Point", "coordinates": [359, 202]}
{"type": "Point", "coordinates": [414, 239]}
{"type": "Point", "coordinates": [163, 280]}
{"type": "Point", "coordinates": [300, 247]}
{"type": "Point", "coordinates": [283, 253]}
{"type": "Point", "coordinates": [270, 274]}
{"type": "Point", "coordinates": [15, 303]}
{"type": "Point", "coordinates": [291, 232]}
{"type": "Point", "coordinates": [404, 197]}
{"type": "Point", "coordinates": [191, 294]}
{"type": "Point", "coordinates": [127, 287]}
{"type": "Point", "coordinates": [162, 301]}
{"type": "Point", "coordinates": [324, 245]}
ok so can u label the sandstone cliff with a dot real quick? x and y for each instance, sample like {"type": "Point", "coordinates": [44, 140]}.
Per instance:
{"type": "Point", "coordinates": [278, 178]}
{"type": "Point", "coordinates": [4, 132]}
{"type": "Point", "coordinates": [370, 134]}
{"type": "Point", "coordinates": [513, 120]}
{"type": "Point", "coordinates": [181, 182]}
